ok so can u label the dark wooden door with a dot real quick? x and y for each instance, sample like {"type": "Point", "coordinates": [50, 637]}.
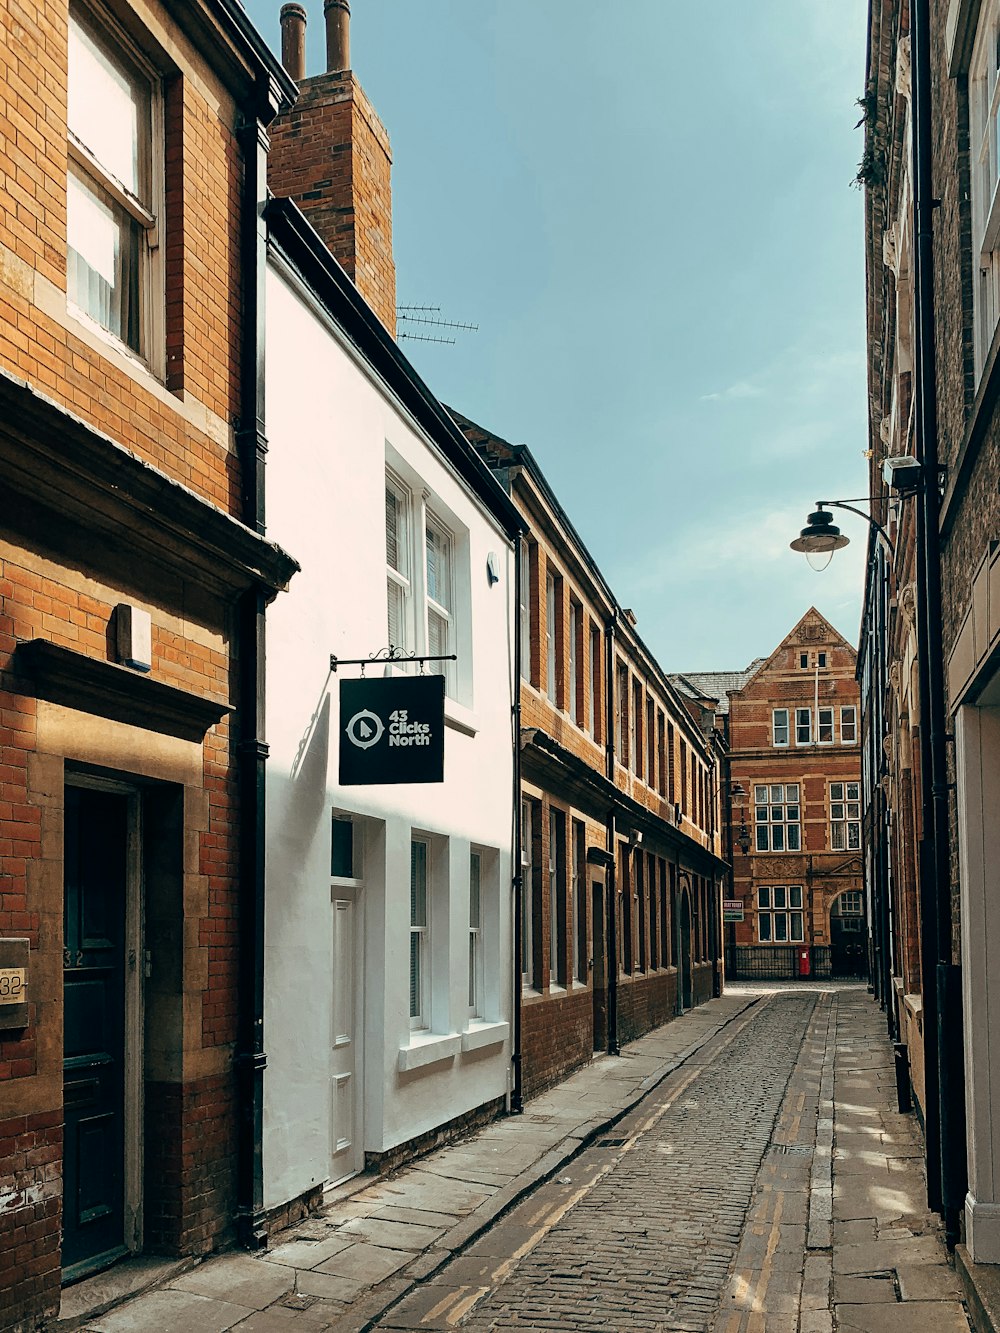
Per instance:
{"type": "Point", "coordinates": [96, 860]}
{"type": "Point", "coordinates": [685, 952]}
{"type": "Point", "coordinates": [848, 946]}
{"type": "Point", "coordinates": [599, 967]}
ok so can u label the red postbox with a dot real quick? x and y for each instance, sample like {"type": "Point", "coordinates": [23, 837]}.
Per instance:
{"type": "Point", "coordinates": [803, 962]}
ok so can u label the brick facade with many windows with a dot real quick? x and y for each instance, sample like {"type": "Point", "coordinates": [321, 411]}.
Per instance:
{"type": "Point", "coordinates": [619, 926]}
{"type": "Point", "coordinates": [794, 803]}
{"type": "Point", "coordinates": [131, 570]}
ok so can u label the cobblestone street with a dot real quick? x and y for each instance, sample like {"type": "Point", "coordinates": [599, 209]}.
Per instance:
{"type": "Point", "coordinates": [743, 1169]}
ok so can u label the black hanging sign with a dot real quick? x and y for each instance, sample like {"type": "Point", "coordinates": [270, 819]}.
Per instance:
{"type": "Point", "coordinates": [392, 730]}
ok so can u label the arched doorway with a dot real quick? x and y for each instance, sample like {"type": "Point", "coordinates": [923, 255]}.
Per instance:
{"type": "Point", "coordinates": [684, 959]}
{"type": "Point", "coordinates": [848, 937]}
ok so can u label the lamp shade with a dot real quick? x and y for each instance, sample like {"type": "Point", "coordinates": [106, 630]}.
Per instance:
{"type": "Point", "coordinates": [820, 536]}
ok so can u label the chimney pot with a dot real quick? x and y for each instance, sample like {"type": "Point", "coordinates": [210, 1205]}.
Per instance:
{"type": "Point", "coordinates": [293, 41]}
{"type": "Point", "coordinates": [338, 35]}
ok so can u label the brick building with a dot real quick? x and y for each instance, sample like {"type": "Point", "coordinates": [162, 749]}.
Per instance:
{"type": "Point", "coordinates": [133, 578]}
{"type": "Point", "coordinates": [793, 805]}
{"type": "Point", "coordinates": [931, 633]}
{"type": "Point", "coordinates": [620, 842]}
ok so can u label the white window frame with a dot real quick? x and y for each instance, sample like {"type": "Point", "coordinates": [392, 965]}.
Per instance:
{"type": "Point", "coordinates": [803, 726]}
{"type": "Point", "coordinates": [524, 608]}
{"type": "Point", "coordinates": [984, 167]}
{"type": "Point", "coordinates": [418, 519]}
{"type": "Point", "coordinates": [845, 816]}
{"type": "Point", "coordinates": [827, 725]}
{"type": "Point", "coordinates": [777, 727]}
{"type": "Point", "coordinates": [574, 629]}
{"type": "Point", "coordinates": [476, 977]}
{"type": "Point", "coordinates": [550, 636]}
{"type": "Point", "coordinates": [436, 527]}
{"type": "Point", "coordinates": [83, 162]}
{"type": "Point", "coordinates": [774, 829]}
{"type": "Point", "coordinates": [780, 914]}
{"type": "Point", "coordinates": [848, 721]}
{"type": "Point", "coordinates": [420, 948]}
{"type": "Point", "coordinates": [594, 651]}
{"type": "Point", "coordinates": [400, 579]}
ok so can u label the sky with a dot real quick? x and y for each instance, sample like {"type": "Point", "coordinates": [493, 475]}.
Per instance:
{"type": "Point", "coordinates": [647, 208]}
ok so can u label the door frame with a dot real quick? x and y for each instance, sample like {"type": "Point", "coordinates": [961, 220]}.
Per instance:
{"type": "Point", "coordinates": [352, 890]}
{"type": "Point", "coordinates": [134, 970]}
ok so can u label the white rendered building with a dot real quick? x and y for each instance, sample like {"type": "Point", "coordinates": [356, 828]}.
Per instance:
{"type": "Point", "coordinates": [388, 917]}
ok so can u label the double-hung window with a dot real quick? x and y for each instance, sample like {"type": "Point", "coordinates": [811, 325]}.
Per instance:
{"type": "Point", "coordinates": [779, 726]}
{"type": "Point", "coordinates": [475, 936]}
{"type": "Point", "coordinates": [824, 726]}
{"type": "Point", "coordinates": [574, 630]}
{"type": "Point", "coordinates": [524, 607]}
{"type": "Point", "coordinates": [420, 584]}
{"type": "Point", "coordinates": [550, 637]}
{"type": "Point", "coordinates": [419, 950]}
{"type": "Point", "coordinates": [397, 560]}
{"type": "Point", "coordinates": [848, 725]}
{"type": "Point", "coordinates": [778, 817]}
{"type": "Point", "coordinates": [845, 816]}
{"type": "Point", "coordinates": [111, 224]}
{"type": "Point", "coordinates": [440, 594]}
{"type": "Point", "coordinates": [803, 726]}
{"type": "Point", "coordinates": [779, 914]}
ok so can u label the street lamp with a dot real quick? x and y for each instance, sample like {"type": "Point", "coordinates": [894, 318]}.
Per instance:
{"type": "Point", "coordinates": [821, 537]}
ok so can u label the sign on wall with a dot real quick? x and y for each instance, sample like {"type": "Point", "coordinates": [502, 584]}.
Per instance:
{"type": "Point", "coordinates": [392, 730]}
{"type": "Point", "coordinates": [732, 909]}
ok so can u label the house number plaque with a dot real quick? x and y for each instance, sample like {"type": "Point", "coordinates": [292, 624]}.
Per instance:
{"type": "Point", "coordinates": [13, 983]}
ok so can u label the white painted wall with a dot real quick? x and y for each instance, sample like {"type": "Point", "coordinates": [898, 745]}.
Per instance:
{"type": "Point", "coordinates": [330, 429]}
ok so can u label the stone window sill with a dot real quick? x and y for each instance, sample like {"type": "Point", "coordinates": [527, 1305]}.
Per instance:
{"type": "Point", "coordinates": [428, 1048]}
{"type": "Point", "coordinates": [480, 1034]}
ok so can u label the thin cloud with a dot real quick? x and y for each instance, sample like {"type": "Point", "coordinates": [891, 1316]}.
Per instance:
{"type": "Point", "coordinates": [741, 389]}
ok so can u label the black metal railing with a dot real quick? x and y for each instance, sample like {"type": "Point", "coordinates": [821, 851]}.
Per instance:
{"type": "Point", "coordinates": [790, 962]}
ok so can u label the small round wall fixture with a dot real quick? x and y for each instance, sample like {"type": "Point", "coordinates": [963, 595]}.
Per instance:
{"type": "Point", "coordinates": [492, 569]}
{"type": "Point", "coordinates": [819, 539]}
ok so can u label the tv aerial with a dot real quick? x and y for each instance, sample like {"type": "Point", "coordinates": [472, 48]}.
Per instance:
{"type": "Point", "coordinates": [421, 315]}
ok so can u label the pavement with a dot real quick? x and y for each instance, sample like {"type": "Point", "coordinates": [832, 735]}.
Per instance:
{"type": "Point", "coordinates": [820, 1224]}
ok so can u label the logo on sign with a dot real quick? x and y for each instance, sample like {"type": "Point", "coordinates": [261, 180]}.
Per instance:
{"type": "Point", "coordinates": [364, 730]}
{"type": "Point", "coordinates": [394, 730]}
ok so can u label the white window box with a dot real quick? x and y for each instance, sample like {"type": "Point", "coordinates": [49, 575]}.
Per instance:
{"type": "Point", "coordinates": [428, 1048]}
{"type": "Point", "coordinates": [481, 1034]}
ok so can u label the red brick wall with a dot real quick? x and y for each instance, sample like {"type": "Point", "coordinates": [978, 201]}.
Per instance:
{"type": "Point", "coordinates": [646, 1002]}
{"type": "Point", "coordinates": [557, 1036]}
{"type": "Point", "coordinates": [331, 154]}
{"type": "Point", "coordinates": [31, 1189]}
{"type": "Point", "coordinates": [190, 1192]}
{"type": "Point", "coordinates": [47, 351]}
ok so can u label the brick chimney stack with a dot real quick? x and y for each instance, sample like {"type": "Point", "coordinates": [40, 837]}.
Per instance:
{"type": "Point", "coordinates": [293, 41]}
{"type": "Point", "coordinates": [337, 14]}
{"type": "Point", "coordinates": [331, 154]}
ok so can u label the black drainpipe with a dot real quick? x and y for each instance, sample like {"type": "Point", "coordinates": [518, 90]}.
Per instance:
{"type": "Point", "coordinates": [251, 444]}
{"type": "Point", "coordinates": [516, 1097]}
{"type": "Point", "coordinates": [611, 893]}
{"type": "Point", "coordinates": [941, 978]}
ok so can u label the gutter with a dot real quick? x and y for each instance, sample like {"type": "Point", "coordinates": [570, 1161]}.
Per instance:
{"type": "Point", "coordinates": [941, 978]}
{"type": "Point", "coordinates": [251, 750]}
